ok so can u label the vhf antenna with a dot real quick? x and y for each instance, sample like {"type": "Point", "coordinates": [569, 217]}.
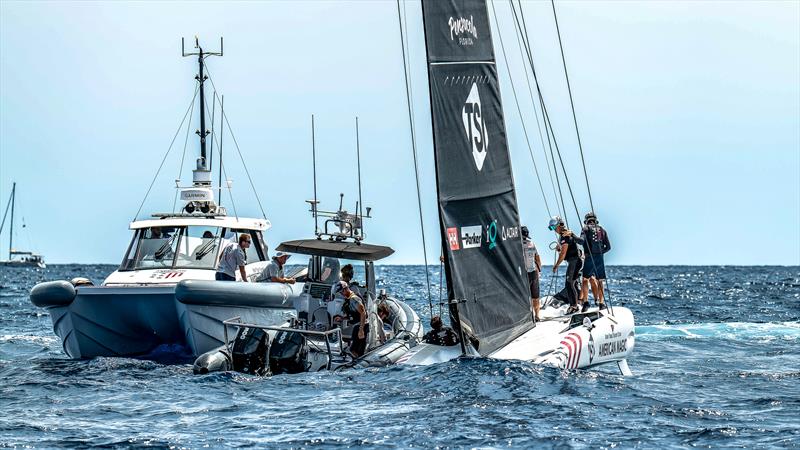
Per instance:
{"type": "Point", "coordinates": [359, 206]}
{"type": "Point", "coordinates": [201, 77]}
{"type": "Point", "coordinates": [314, 202]}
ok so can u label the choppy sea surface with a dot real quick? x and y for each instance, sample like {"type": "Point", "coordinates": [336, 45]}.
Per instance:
{"type": "Point", "coordinates": [716, 364]}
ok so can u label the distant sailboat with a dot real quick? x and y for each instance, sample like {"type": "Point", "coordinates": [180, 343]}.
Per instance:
{"type": "Point", "coordinates": [17, 258]}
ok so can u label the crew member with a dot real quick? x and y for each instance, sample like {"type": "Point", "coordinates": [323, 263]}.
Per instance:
{"type": "Point", "coordinates": [533, 264]}
{"type": "Point", "coordinates": [595, 245]}
{"type": "Point", "coordinates": [439, 334]}
{"type": "Point", "coordinates": [354, 310]}
{"type": "Point", "coordinates": [274, 270]}
{"type": "Point", "coordinates": [233, 257]}
{"type": "Point", "coordinates": [569, 251]}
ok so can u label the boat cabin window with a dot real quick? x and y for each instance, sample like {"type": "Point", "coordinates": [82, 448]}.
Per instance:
{"type": "Point", "coordinates": [198, 247]}
{"type": "Point", "coordinates": [189, 247]}
{"type": "Point", "coordinates": [155, 248]}
{"type": "Point", "coordinates": [257, 251]}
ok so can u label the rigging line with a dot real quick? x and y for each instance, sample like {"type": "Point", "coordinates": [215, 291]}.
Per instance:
{"type": "Point", "coordinates": [222, 167]}
{"type": "Point", "coordinates": [525, 40]}
{"type": "Point", "coordinates": [224, 172]}
{"type": "Point", "coordinates": [238, 150]}
{"type": "Point", "coordinates": [188, 110]}
{"type": "Point", "coordinates": [550, 170]}
{"type": "Point", "coordinates": [548, 123]}
{"type": "Point", "coordinates": [183, 157]}
{"type": "Point", "coordinates": [519, 111]}
{"type": "Point", "coordinates": [572, 104]}
{"type": "Point", "coordinates": [549, 126]}
{"type": "Point", "coordinates": [414, 152]}
{"type": "Point", "coordinates": [3, 224]}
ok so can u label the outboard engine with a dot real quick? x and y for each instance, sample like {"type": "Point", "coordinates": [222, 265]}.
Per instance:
{"type": "Point", "coordinates": [212, 361]}
{"type": "Point", "coordinates": [289, 353]}
{"type": "Point", "coordinates": [250, 349]}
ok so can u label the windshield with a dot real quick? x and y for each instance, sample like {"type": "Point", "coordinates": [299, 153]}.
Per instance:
{"type": "Point", "coordinates": [154, 248]}
{"type": "Point", "coordinates": [198, 247]}
{"type": "Point", "coordinates": [189, 247]}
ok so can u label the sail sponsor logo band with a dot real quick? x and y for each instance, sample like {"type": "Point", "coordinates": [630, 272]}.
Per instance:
{"type": "Point", "coordinates": [471, 237]}
{"type": "Point", "coordinates": [475, 126]}
{"type": "Point", "coordinates": [462, 26]}
{"type": "Point", "coordinates": [491, 234]}
{"type": "Point", "coordinates": [509, 232]}
{"type": "Point", "coordinates": [452, 238]}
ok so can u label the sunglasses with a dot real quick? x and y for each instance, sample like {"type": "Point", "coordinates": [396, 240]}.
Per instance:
{"type": "Point", "coordinates": [553, 227]}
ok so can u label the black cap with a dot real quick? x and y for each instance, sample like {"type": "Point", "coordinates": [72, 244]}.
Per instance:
{"type": "Point", "coordinates": [590, 216]}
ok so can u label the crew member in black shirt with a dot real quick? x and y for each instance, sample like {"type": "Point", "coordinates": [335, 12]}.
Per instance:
{"type": "Point", "coordinates": [440, 335]}
{"type": "Point", "coordinates": [569, 251]}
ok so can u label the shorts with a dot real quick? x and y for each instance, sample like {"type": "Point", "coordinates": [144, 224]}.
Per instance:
{"type": "Point", "coordinates": [533, 282]}
{"type": "Point", "coordinates": [359, 346]}
{"type": "Point", "coordinates": [593, 266]}
{"type": "Point", "coordinates": [222, 276]}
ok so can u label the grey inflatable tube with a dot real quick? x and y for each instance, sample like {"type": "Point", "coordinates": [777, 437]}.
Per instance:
{"type": "Point", "coordinates": [228, 293]}
{"type": "Point", "coordinates": [53, 293]}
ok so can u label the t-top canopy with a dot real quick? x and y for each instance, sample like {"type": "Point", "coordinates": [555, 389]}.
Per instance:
{"type": "Point", "coordinates": [336, 249]}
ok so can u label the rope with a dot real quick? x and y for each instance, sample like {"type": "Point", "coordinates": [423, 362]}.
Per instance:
{"type": "Point", "coordinates": [183, 157]}
{"type": "Point", "coordinates": [550, 170]}
{"type": "Point", "coordinates": [519, 112]}
{"type": "Point", "coordinates": [549, 127]}
{"type": "Point", "coordinates": [403, 44]}
{"type": "Point", "coordinates": [548, 123]}
{"type": "Point", "coordinates": [222, 166]}
{"type": "Point", "coordinates": [238, 150]}
{"type": "Point", "coordinates": [191, 105]}
{"type": "Point", "coordinates": [572, 104]}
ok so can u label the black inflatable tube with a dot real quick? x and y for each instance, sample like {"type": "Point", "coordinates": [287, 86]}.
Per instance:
{"type": "Point", "coordinates": [266, 295]}
{"type": "Point", "coordinates": [53, 293]}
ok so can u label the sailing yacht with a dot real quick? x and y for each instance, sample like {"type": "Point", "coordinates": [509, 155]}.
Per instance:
{"type": "Point", "coordinates": [488, 293]}
{"type": "Point", "coordinates": [18, 258]}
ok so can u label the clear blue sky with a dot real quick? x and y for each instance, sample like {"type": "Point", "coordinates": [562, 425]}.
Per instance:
{"type": "Point", "coordinates": [689, 114]}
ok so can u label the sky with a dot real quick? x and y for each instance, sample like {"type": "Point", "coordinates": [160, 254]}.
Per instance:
{"type": "Point", "coordinates": [689, 114]}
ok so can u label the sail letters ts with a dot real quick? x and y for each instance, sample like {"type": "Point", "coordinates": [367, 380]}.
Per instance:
{"type": "Point", "coordinates": [475, 126]}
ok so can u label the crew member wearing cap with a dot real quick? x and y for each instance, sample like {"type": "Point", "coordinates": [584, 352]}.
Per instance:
{"type": "Point", "coordinates": [533, 264]}
{"type": "Point", "coordinates": [569, 251]}
{"type": "Point", "coordinates": [354, 310]}
{"type": "Point", "coordinates": [595, 245]}
{"type": "Point", "coordinates": [274, 270]}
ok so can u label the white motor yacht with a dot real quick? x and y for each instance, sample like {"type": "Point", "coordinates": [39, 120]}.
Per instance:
{"type": "Point", "coordinates": [150, 301]}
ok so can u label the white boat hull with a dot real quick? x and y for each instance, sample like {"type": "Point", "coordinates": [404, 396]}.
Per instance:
{"type": "Point", "coordinates": [558, 341]}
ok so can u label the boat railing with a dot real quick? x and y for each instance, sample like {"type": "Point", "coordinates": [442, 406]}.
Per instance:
{"type": "Point", "coordinates": [325, 335]}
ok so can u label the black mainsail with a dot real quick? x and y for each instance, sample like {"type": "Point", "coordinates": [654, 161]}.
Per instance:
{"type": "Point", "coordinates": [478, 214]}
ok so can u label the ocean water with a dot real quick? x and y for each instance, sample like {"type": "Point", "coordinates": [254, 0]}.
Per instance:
{"type": "Point", "coordinates": [716, 364]}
